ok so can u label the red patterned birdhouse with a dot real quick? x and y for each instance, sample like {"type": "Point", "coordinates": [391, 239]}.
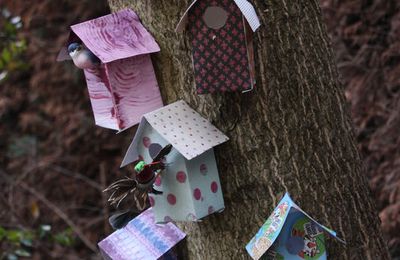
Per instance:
{"type": "Point", "coordinates": [221, 34]}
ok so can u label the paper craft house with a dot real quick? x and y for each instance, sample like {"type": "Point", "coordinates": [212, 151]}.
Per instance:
{"type": "Point", "coordinates": [190, 183]}
{"type": "Point", "coordinates": [289, 233]}
{"type": "Point", "coordinates": [221, 34]}
{"type": "Point", "coordinates": [142, 239]}
{"type": "Point", "coordinates": [124, 87]}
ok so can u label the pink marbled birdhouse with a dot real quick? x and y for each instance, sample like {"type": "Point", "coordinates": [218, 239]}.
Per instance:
{"type": "Point", "coordinates": [190, 183]}
{"type": "Point", "coordinates": [123, 87]}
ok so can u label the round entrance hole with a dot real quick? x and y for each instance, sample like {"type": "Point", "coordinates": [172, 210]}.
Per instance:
{"type": "Point", "coordinates": [215, 17]}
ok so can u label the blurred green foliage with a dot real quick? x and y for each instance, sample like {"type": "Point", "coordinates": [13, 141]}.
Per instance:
{"type": "Point", "coordinates": [21, 243]}
{"type": "Point", "coordinates": [23, 145]}
{"type": "Point", "coordinates": [12, 46]}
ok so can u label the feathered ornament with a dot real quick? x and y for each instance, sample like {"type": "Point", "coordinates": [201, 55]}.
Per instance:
{"type": "Point", "coordinates": [139, 187]}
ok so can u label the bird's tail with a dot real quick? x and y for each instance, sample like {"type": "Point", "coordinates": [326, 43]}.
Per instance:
{"type": "Point", "coordinates": [121, 218]}
{"type": "Point", "coordinates": [120, 190]}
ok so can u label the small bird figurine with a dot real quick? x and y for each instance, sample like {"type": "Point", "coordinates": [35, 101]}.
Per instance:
{"type": "Point", "coordinates": [82, 57]}
{"type": "Point", "coordinates": [140, 186]}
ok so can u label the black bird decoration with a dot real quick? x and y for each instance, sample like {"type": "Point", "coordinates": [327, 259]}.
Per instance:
{"type": "Point", "coordinates": [139, 187]}
{"type": "Point", "coordinates": [121, 218]}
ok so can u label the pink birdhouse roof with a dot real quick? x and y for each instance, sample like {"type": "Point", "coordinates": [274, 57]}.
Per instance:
{"type": "Point", "coordinates": [188, 132]}
{"type": "Point", "coordinates": [116, 36]}
{"type": "Point", "coordinates": [245, 7]}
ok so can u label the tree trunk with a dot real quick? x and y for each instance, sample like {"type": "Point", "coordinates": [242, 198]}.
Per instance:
{"type": "Point", "coordinates": [292, 133]}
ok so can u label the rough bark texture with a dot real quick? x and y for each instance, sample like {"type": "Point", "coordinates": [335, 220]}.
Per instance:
{"type": "Point", "coordinates": [292, 133]}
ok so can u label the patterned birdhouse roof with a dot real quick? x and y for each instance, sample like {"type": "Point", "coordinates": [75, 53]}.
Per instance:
{"type": "Point", "coordinates": [115, 36]}
{"type": "Point", "coordinates": [283, 221]}
{"type": "Point", "coordinates": [188, 132]}
{"type": "Point", "coordinates": [245, 7]}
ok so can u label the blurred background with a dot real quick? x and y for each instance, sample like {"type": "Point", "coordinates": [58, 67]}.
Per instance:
{"type": "Point", "coordinates": [54, 162]}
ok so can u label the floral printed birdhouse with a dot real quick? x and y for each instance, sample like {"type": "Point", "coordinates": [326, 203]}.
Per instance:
{"type": "Point", "coordinates": [142, 239]}
{"type": "Point", "coordinates": [221, 34]}
{"type": "Point", "coordinates": [190, 183]}
{"type": "Point", "coordinates": [289, 233]}
{"type": "Point", "coordinates": [123, 86]}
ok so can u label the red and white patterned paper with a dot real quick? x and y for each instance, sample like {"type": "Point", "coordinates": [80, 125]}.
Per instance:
{"type": "Point", "coordinates": [222, 58]}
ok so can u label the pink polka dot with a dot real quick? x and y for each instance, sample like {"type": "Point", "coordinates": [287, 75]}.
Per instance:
{"type": "Point", "coordinates": [214, 187]}
{"type": "Point", "coordinates": [203, 169]}
{"type": "Point", "coordinates": [210, 209]}
{"type": "Point", "coordinates": [168, 219]}
{"type": "Point", "coordinates": [171, 199]}
{"type": "Point", "coordinates": [197, 193]}
{"type": "Point", "coordinates": [146, 141]}
{"type": "Point", "coordinates": [157, 182]}
{"type": "Point", "coordinates": [151, 199]}
{"type": "Point", "coordinates": [181, 176]}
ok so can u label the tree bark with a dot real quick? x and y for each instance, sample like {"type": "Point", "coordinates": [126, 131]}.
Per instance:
{"type": "Point", "coordinates": [292, 133]}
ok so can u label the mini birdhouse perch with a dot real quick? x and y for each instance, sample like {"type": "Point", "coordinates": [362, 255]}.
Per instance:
{"type": "Point", "coordinates": [221, 34]}
{"type": "Point", "coordinates": [290, 233]}
{"type": "Point", "coordinates": [123, 87]}
{"type": "Point", "coordinates": [190, 183]}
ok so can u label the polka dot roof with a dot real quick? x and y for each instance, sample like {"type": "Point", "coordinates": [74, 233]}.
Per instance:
{"type": "Point", "coordinates": [185, 129]}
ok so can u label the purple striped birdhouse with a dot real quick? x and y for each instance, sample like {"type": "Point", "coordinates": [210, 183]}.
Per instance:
{"type": "Point", "coordinates": [142, 239]}
{"type": "Point", "coordinates": [221, 35]}
{"type": "Point", "coordinates": [122, 84]}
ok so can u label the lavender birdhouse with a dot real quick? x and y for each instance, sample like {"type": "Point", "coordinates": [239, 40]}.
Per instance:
{"type": "Point", "coordinates": [142, 239]}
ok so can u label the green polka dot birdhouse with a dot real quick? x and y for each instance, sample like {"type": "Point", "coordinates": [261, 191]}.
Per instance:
{"type": "Point", "coordinates": [290, 233]}
{"type": "Point", "coordinates": [190, 183]}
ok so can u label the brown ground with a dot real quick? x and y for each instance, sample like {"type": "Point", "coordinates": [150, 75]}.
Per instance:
{"type": "Point", "coordinates": [45, 115]}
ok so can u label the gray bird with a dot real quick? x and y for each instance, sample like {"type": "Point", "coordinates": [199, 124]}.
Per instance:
{"type": "Point", "coordinates": [82, 57]}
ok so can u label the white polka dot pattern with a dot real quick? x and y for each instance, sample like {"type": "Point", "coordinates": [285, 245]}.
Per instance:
{"type": "Point", "coordinates": [185, 129]}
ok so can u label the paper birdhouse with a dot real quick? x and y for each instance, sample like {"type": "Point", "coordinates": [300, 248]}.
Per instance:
{"type": "Point", "coordinates": [289, 233]}
{"type": "Point", "coordinates": [123, 87]}
{"type": "Point", "coordinates": [190, 183]}
{"type": "Point", "coordinates": [221, 34]}
{"type": "Point", "coordinates": [142, 239]}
